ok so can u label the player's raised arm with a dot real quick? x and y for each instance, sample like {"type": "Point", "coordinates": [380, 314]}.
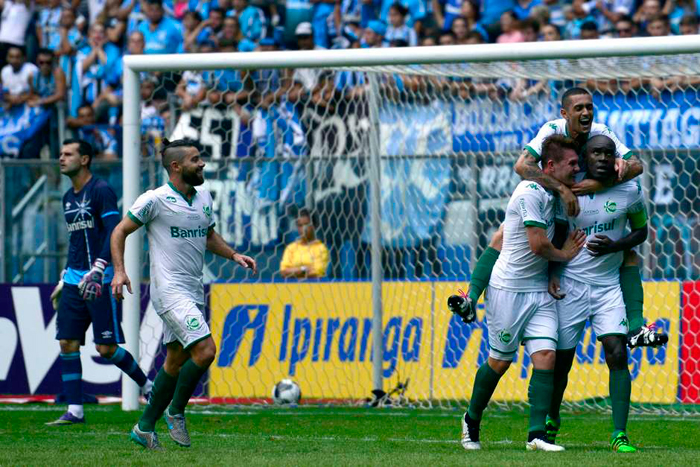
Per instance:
{"type": "Point", "coordinates": [217, 245]}
{"type": "Point", "coordinates": [125, 228]}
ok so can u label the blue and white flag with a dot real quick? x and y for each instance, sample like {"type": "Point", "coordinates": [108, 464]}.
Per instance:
{"type": "Point", "coordinates": [17, 125]}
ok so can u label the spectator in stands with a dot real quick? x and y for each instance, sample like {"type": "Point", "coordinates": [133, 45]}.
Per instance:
{"type": "Point", "coordinates": [556, 12]}
{"type": "Point", "coordinates": [550, 32]}
{"type": "Point", "coordinates": [374, 35]}
{"type": "Point", "coordinates": [48, 24]}
{"type": "Point", "coordinates": [307, 257]}
{"type": "Point", "coordinates": [100, 137]}
{"type": "Point", "coordinates": [194, 30]}
{"type": "Point", "coordinates": [676, 10]}
{"type": "Point", "coordinates": [589, 30]}
{"type": "Point", "coordinates": [689, 25]}
{"type": "Point", "coordinates": [16, 76]}
{"type": "Point", "coordinates": [461, 30]}
{"type": "Point", "coordinates": [541, 15]}
{"type": "Point", "coordinates": [530, 30]}
{"type": "Point", "coordinates": [575, 17]}
{"type": "Point", "coordinates": [304, 79]}
{"type": "Point", "coordinates": [251, 19]}
{"type": "Point", "coordinates": [605, 13]}
{"type": "Point", "coordinates": [625, 27]}
{"type": "Point", "coordinates": [191, 89]}
{"type": "Point", "coordinates": [658, 26]}
{"type": "Point", "coordinates": [16, 16]}
{"type": "Point", "coordinates": [447, 38]}
{"type": "Point", "coordinates": [397, 29]}
{"type": "Point", "coordinates": [162, 35]}
{"type": "Point", "coordinates": [94, 64]}
{"type": "Point", "coordinates": [231, 38]}
{"type": "Point", "coordinates": [114, 18]}
{"type": "Point", "coordinates": [647, 10]}
{"type": "Point", "coordinates": [215, 23]}
{"type": "Point", "coordinates": [417, 14]}
{"type": "Point", "coordinates": [510, 29]}
{"type": "Point", "coordinates": [153, 112]}
{"type": "Point", "coordinates": [48, 85]}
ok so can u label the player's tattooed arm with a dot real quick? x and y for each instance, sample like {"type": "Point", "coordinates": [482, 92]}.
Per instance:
{"type": "Point", "coordinates": [626, 169]}
{"type": "Point", "coordinates": [217, 245]}
{"type": "Point", "coordinates": [528, 168]}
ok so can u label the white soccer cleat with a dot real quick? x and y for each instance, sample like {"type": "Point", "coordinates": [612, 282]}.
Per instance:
{"type": "Point", "coordinates": [470, 435]}
{"type": "Point", "coordinates": [538, 444]}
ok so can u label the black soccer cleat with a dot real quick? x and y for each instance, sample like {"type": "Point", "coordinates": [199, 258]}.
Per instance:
{"type": "Point", "coordinates": [646, 336]}
{"type": "Point", "coordinates": [462, 306]}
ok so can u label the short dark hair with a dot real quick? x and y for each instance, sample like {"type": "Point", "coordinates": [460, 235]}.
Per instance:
{"type": "Point", "coordinates": [44, 51]}
{"type": "Point", "coordinates": [170, 150]}
{"type": "Point", "coordinates": [155, 2]}
{"type": "Point", "coordinates": [570, 93]}
{"type": "Point", "coordinates": [553, 148]}
{"type": "Point", "coordinates": [589, 26]}
{"type": "Point", "coordinates": [218, 10]}
{"type": "Point", "coordinates": [18, 47]}
{"type": "Point", "coordinates": [305, 212]}
{"type": "Point", "coordinates": [689, 20]}
{"type": "Point", "coordinates": [84, 148]}
{"type": "Point", "coordinates": [400, 9]}
{"type": "Point", "coordinates": [626, 18]}
{"type": "Point", "coordinates": [530, 23]}
{"type": "Point", "coordinates": [660, 17]}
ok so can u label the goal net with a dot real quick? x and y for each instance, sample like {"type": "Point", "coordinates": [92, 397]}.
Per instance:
{"type": "Point", "coordinates": [446, 137]}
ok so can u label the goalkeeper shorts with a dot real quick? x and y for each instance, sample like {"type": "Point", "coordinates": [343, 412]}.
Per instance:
{"type": "Point", "coordinates": [602, 305]}
{"type": "Point", "coordinates": [515, 317]}
{"type": "Point", "coordinates": [75, 315]}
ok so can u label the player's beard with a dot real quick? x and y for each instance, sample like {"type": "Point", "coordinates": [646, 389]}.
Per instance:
{"type": "Point", "coordinates": [193, 178]}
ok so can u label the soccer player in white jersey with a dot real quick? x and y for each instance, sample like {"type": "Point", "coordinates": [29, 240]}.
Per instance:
{"type": "Point", "coordinates": [180, 227]}
{"type": "Point", "coordinates": [577, 122]}
{"type": "Point", "coordinates": [518, 307]}
{"type": "Point", "coordinates": [588, 286]}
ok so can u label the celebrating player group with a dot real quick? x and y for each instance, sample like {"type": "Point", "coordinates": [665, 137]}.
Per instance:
{"type": "Point", "coordinates": [564, 255]}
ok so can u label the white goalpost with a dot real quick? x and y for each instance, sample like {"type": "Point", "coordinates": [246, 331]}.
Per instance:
{"type": "Point", "coordinates": [388, 324]}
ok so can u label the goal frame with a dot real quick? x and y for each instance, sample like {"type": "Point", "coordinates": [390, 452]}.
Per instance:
{"type": "Point", "coordinates": [386, 57]}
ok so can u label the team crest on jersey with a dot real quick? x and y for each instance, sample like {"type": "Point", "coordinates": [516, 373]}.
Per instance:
{"type": "Point", "coordinates": [207, 211]}
{"type": "Point", "coordinates": [504, 336]}
{"type": "Point", "coordinates": [534, 186]}
{"type": "Point", "coordinates": [610, 206]}
{"type": "Point", "coordinates": [553, 126]}
{"type": "Point", "coordinates": [193, 323]}
{"type": "Point", "coordinates": [68, 205]}
{"type": "Point", "coordinates": [171, 199]}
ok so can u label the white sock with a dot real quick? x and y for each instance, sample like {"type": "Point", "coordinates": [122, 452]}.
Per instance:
{"type": "Point", "coordinates": [76, 410]}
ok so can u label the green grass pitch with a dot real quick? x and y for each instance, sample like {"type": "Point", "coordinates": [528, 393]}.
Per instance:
{"type": "Point", "coordinates": [335, 436]}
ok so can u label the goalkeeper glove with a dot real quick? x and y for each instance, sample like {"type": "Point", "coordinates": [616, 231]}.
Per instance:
{"type": "Point", "coordinates": [56, 293]}
{"type": "Point", "coordinates": [90, 286]}
{"type": "Point", "coordinates": [462, 306]}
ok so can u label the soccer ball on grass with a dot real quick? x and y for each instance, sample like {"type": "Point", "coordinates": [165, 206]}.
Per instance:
{"type": "Point", "coordinates": [286, 392]}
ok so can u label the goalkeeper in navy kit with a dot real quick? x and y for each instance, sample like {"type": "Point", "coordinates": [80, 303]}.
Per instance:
{"type": "Point", "coordinates": [83, 295]}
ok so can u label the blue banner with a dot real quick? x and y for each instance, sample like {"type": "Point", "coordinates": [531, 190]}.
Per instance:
{"type": "Point", "coordinates": [17, 125]}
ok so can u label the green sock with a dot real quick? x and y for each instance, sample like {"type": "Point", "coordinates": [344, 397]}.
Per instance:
{"type": "Point", "coordinates": [482, 273]}
{"type": "Point", "coordinates": [484, 384]}
{"type": "Point", "coordinates": [633, 294]}
{"type": "Point", "coordinates": [539, 394]}
{"type": "Point", "coordinates": [620, 391]}
{"type": "Point", "coordinates": [561, 379]}
{"type": "Point", "coordinates": [190, 374]}
{"type": "Point", "coordinates": [161, 395]}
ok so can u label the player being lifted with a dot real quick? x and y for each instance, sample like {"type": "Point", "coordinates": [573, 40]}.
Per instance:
{"type": "Point", "coordinates": [588, 286]}
{"type": "Point", "coordinates": [180, 227]}
{"type": "Point", "coordinates": [518, 307]}
{"type": "Point", "coordinates": [577, 122]}
{"type": "Point", "coordinates": [83, 295]}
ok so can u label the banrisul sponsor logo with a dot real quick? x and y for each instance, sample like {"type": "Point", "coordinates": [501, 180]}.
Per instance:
{"type": "Point", "coordinates": [599, 227]}
{"type": "Point", "coordinates": [177, 232]}
{"type": "Point", "coordinates": [81, 225]}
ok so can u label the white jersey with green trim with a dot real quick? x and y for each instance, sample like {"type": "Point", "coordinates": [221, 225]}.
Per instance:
{"type": "Point", "coordinates": [558, 127]}
{"type": "Point", "coordinates": [605, 213]}
{"type": "Point", "coordinates": [177, 240]}
{"type": "Point", "coordinates": [518, 269]}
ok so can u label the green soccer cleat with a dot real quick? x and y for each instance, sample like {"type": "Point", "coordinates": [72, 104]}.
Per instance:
{"type": "Point", "coordinates": [621, 443]}
{"type": "Point", "coordinates": [551, 428]}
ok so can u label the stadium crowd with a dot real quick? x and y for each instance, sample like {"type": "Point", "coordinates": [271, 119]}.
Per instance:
{"type": "Point", "coordinates": [71, 52]}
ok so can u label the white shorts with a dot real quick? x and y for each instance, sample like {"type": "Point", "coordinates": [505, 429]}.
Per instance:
{"type": "Point", "coordinates": [515, 317]}
{"type": "Point", "coordinates": [185, 323]}
{"type": "Point", "coordinates": [603, 305]}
